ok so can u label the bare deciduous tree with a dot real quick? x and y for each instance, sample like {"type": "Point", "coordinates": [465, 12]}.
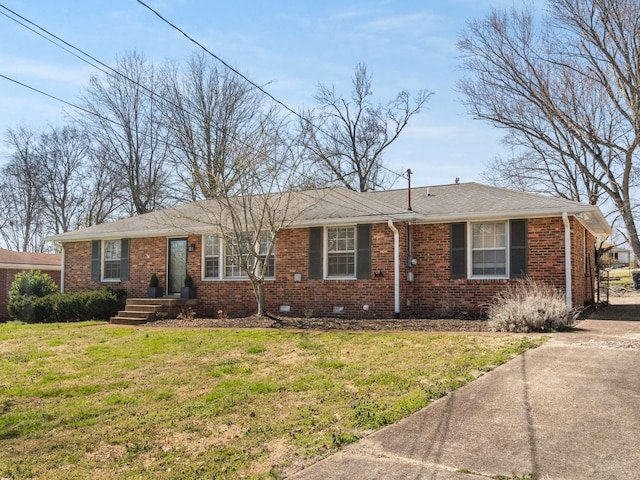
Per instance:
{"type": "Point", "coordinates": [52, 184]}
{"type": "Point", "coordinates": [60, 161]}
{"type": "Point", "coordinates": [259, 204]}
{"type": "Point", "coordinates": [540, 169]}
{"type": "Point", "coordinates": [21, 216]}
{"type": "Point", "coordinates": [105, 200]}
{"type": "Point", "coordinates": [568, 89]}
{"type": "Point", "coordinates": [210, 115]}
{"type": "Point", "coordinates": [124, 118]}
{"type": "Point", "coordinates": [248, 214]}
{"type": "Point", "coordinates": [353, 133]}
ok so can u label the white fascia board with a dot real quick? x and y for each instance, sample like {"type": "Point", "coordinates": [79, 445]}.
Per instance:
{"type": "Point", "coordinates": [28, 266]}
{"type": "Point", "coordinates": [84, 237]}
{"type": "Point", "coordinates": [597, 225]}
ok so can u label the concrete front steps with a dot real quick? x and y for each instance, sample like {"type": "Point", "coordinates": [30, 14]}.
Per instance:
{"type": "Point", "coordinates": [139, 311]}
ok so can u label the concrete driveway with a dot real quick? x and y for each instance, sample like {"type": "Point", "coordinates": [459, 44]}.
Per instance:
{"type": "Point", "coordinates": [567, 410]}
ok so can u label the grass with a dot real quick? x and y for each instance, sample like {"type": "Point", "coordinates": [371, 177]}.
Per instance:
{"type": "Point", "coordinates": [620, 277]}
{"type": "Point", "coordinates": [91, 400]}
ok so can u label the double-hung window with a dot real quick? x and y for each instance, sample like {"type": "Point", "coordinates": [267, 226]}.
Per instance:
{"type": "Point", "coordinates": [234, 247]}
{"type": "Point", "coordinates": [211, 256]}
{"type": "Point", "coordinates": [495, 249]}
{"type": "Point", "coordinates": [341, 252]}
{"type": "Point", "coordinates": [266, 254]}
{"type": "Point", "coordinates": [111, 261]}
{"type": "Point", "coordinates": [489, 249]}
{"type": "Point", "coordinates": [224, 257]}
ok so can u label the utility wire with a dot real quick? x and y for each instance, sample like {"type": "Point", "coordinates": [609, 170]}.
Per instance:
{"type": "Point", "coordinates": [241, 75]}
{"type": "Point", "coordinates": [49, 39]}
{"type": "Point", "coordinates": [41, 92]}
{"type": "Point", "coordinates": [106, 71]}
{"type": "Point", "coordinates": [150, 92]}
{"type": "Point", "coordinates": [244, 77]}
{"type": "Point", "coordinates": [366, 209]}
{"type": "Point", "coordinates": [85, 54]}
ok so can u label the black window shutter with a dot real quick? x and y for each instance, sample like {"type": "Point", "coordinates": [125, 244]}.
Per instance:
{"type": "Point", "coordinates": [315, 252]}
{"type": "Point", "coordinates": [518, 248]}
{"type": "Point", "coordinates": [95, 260]}
{"type": "Point", "coordinates": [458, 250]}
{"type": "Point", "coordinates": [363, 254]}
{"type": "Point", "coordinates": [124, 259]}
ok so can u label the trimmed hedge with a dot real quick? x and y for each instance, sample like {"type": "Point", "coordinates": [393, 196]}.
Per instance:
{"type": "Point", "coordinates": [66, 307]}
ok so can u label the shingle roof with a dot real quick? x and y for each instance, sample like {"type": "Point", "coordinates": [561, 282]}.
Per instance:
{"type": "Point", "coordinates": [457, 202]}
{"type": "Point", "coordinates": [474, 198]}
{"type": "Point", "coordinates": [11, 259]}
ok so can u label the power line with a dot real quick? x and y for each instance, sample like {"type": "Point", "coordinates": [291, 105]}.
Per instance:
{"type": "Point", "coordinates": [244, 77]}
{"type": "Point", "coordinates": [150, 92]}
{"type": "Point", "coordinates": [366, 209]}
{"type": "Point", "coordinates": [85, 54]}
{"type": "Point", "coordinates": [41, 92]}
{"type": "Point", "coordinates": [241, 75]}
{"type": "Point", "coordinates": [47, 38]}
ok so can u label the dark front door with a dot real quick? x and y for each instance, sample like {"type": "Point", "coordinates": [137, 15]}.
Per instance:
{"type": "Point", "coordinates": [177, 262]}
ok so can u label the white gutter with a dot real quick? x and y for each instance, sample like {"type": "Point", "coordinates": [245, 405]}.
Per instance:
{"type": "Point", "coordinates": [396, 266]}
{"type": "Point", "coordinates": [29, 266]}
{"type": "Point", "coordinates": [567, 259]}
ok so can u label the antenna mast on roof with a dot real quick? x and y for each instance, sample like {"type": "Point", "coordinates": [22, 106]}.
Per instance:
{"type": "Point", "coordinates": [409, 172]}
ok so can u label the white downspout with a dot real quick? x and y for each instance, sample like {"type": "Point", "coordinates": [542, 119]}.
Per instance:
{"type": "Point", "coordinates": [396, 267]}
{"type": "Point", "coordinates": [62, 255]}
{"type": "Point", "coordinates": [567, 259]}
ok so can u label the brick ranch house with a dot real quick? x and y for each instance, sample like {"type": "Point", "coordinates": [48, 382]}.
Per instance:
{"type": "Point", "coordinates": [12, 263]}
{"type": "Point", "coordinates": [432, 251]}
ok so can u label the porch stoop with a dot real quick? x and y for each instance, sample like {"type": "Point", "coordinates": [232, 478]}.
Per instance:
{"type": "Point", "coordinates": [139, 311]}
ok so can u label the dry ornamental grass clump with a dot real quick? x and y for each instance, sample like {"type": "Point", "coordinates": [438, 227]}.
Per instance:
{"type": "Point", "coordinates": [530, 306]}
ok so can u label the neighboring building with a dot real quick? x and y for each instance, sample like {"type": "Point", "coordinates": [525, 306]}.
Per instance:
{"type": "Point", "coordinates": [373, 254]}
{"type": "Point", "coordinates": [616, 257]}
{"type": "Point", "coordinates": [12, 263]}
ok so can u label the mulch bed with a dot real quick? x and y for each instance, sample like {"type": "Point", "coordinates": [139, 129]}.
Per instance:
{"type": "Point", "coordinates": [341, 324]}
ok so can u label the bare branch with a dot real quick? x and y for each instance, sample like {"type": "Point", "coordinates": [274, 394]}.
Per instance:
{"type": "Point", "coordinates": [352, 134]}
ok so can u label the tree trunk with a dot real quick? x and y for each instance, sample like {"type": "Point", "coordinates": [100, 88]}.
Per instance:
{"type": "Point", "coordinates": [258, 289]}
{"type": "Point", "coordinates": [630, 225]}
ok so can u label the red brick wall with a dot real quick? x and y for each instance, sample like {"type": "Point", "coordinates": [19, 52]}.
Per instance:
{"type": "Point", "coordinates": [432, 293]}
{"type": "Point", "coordinates": [583, 265]}
{"type": "Point", "coordinates": [320, 296]}
{"type": "Point", "coordinates": [6, 279]}
{"type": "Point", "coordinates": [147, 256]}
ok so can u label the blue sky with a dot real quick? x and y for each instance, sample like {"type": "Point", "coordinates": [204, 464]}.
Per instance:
{"type": "Point", "coordinates": [289, 45]}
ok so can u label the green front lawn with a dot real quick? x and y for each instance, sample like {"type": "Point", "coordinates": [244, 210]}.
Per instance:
{"type": "Point", "coordinates": [620, 277]}
{"type": "Point", "coordinates": [91, 400]}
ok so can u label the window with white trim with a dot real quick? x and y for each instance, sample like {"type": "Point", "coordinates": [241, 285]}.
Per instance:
{"type": "Point", "coordinates": [489, 249]}
{"type": "Point", "coordinates": [222, 256]}
{"type": "Point", "coordinates": [211, 256]}
{"type": "Point", "coordinates": [111, 259]}
{"type": "Point", "coordinates": [341, 252]}
{"type": "Point", "coordinates": [232, 251]}
{"type": "Point", "coordinates": [266, 251]}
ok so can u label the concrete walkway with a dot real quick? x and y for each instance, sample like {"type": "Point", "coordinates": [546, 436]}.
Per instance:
{"type": "Point", "coordinates": [567, 410]}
